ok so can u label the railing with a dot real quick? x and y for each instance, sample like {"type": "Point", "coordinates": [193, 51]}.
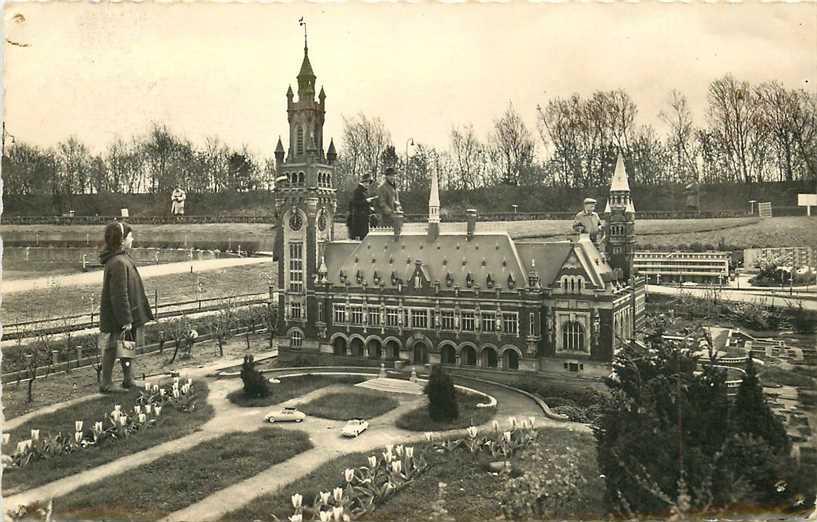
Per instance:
{"type": "Point", "coordinates": [71, 323]}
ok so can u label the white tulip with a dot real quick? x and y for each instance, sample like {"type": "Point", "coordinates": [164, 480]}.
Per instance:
{"type": "Point", "coordinates": [35, 434]}
{"type": "Point", "coordinates": [6, 438]}
{"type": "Point", "coordinates": [472, 432]}
{"type": "Point", "coordinates": [78, 425]}
{"type": "Point", "coordinates": [337, 513]}
{"type": "Point", "coordinates": [410, 452]}
{"type": "Point", "coordinates": [296, 518]}
{"type": "Point", "coordinates": [396, 466]}
{"type": "Point", "coordinates": [349, 474]}
{"type": "Point", "coordinates": [123, 420]}
{"type": "Point", "coordinates": [162, 392]}
{"type": "Point", "coordinates": [78, 437]}
{"type": "Point", "coordinates": [429, 436]}
{"type": "Point", "coordinates": [158, 410]}
{"type": "Point", "coordinates": [148, 409]}
{"type": "Point", "coordinates": [117, 407]}
{"type": "Point", "coordinates": [507, 436]}
{"type": "Point", "coordinates": [137, 409]}
{"type": "Point", "coordinates": [372, 461]}
{"type": "Point", "coordinates": [297, 500]}
{"type": "Point", "coordinates": [142, 418]}
{"type": "Point", "coordinates": [337, 493]}
{"type": "Point", "coordinates": [21, 446]}
{"type": "Point", "coordinates": [97, 426]}
{"type": "Point", "coordinates": [326, 516]}
{"type": "Point", "coordinates": [325, 495]}
{"type": "Point", "coordinates": [175, 393]}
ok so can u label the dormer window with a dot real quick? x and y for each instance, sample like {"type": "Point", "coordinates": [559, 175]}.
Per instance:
{"type": "Point", "coordinates": [469, 280]}
{"type": "Point", "coordinates": [342, 276]}
{"type": "Point", "coordinates": [489, 281]}
{"type": "Point", "coordinates": [376, 278]}
{"type": "Point", "coordinates": [394, 279]}
{"type": "Point", "coordinates": [511, 281]}
{"type": "Point", "coordinates": [359, 277]}
{"type": "Point", "coordinates": [449, 280]}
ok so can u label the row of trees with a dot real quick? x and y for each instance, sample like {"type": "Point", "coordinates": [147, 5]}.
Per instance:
{"type": "Point", "coordinates": [157, 162]}
{"type": "Point", "coordinates": [752, 133]}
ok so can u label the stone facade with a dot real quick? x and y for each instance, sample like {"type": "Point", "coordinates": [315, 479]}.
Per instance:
{"type": "Point", "coordinates": [475, 299]}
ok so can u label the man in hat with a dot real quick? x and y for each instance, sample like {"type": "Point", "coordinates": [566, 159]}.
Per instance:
{"type": "Point", "coordinates": [388, 198]}
{"type": "Point", "coordinates": [588, 221]}
{"type": "Point", "coordinates": [360, 211]}
{"type": "Point", "coordinates": [177, 202]}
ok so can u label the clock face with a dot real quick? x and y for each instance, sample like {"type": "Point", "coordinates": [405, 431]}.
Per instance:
{"type": "Point", "coordinates": [296, 221]}
{"type": "Point", "coordinates": [322, 221]}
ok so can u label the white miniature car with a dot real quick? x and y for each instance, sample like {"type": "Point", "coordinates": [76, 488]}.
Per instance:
{"type": "Point", "coordinates": [689, 283]}
{"type": "Point", "coordinates": [273, 380]}
{"type": "Point", "coordinates": [285, 415]}
{"type": "Point", "coordinates": [355, 427]}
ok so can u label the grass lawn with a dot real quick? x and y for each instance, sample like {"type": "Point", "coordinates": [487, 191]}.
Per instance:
{"type": "Point", "coordinates": [154, 490]}
{"type": "Point", "coordinates": [66, 300]}
{"type": "Point", "coordinates": [470, 490]}
{"type": "Point", "coordinates": [350, 405]}
{"type": "Point", "coordinates": [292, 387]}
{"type": "Point", "coordinates": [173, 425]}
{"type": "Point", "coordinates": [418, 419]}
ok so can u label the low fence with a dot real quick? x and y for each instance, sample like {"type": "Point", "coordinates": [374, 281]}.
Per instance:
{"type": "Point", "coordinates": [90, 320]}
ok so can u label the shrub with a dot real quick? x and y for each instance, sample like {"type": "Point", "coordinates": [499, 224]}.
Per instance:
{"type": "Point", "coordinates": [255, 384]}
{"type": "Point", "coordinates": [442, 400]}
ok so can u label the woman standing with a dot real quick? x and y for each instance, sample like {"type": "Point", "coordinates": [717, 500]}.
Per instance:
{"type": "Point", "coordinates": [124, 307]}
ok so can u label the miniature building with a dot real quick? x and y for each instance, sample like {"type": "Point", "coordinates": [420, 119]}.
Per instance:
{"type": "Point", "coordinates": [472, 299]}
{"type": "Point", "coordinates": [669, 267]}
{"type": "Point", "coordinates": [795, 257]}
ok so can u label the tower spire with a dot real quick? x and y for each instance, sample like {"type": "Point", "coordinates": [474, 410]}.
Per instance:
{"type": "Point", "coordinates": [302, 22]}
{"type": "Point", "coordinates": [434, 208]}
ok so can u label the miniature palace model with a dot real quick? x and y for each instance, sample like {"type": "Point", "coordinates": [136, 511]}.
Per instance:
{"type": "Point", "coordinates": [472, 299]}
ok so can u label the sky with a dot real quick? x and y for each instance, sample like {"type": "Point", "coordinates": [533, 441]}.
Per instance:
{"type": "Point", "coordinates": [99, 71]}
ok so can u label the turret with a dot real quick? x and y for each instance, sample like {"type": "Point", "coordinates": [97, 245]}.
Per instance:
{"type": "Point", "coordinates": [306, 79]}
{"type": "Point", "coordinates": [434, 209]}
{"type": "Point", "coordinates": [322, 95]}
{"type": "Point", "coordinates": [331, 154]}
{"type": "Point", "coordinates": [279, 154]}
{"type": "Point", "coordinates": [619, 217]}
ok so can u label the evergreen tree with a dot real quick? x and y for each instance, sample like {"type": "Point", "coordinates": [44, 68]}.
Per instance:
{"type": "Point", "coordinates": [751, 414]}
{"type": "Point", "coordinates": [442, 399]}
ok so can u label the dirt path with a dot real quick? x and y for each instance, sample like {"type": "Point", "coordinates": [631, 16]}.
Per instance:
{"type": "Point", "coordinates": [735, 296]}
{"type": "Point", "coordinates": [90, 278]}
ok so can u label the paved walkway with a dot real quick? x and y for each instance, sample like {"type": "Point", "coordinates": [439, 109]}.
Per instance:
{"type": "Point", "coordinates": [324, 434]}
{"type": "Point", "coordinates": [95, 278]}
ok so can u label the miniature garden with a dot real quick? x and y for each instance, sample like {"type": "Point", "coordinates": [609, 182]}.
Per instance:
{"type": "Point", "coordinates": [194, 441]}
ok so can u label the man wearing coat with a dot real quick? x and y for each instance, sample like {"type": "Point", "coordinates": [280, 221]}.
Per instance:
{"type": "Point", "coordinates": [360, 211]}
{"type": "Point", "coordinates": [589, 222]}
{"type": "Point", "coordinates": [388, 199]}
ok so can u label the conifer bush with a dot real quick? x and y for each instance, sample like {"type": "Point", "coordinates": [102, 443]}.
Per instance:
{"type": "Point", "coordinates": [255, 384]}
{"type": "Point", "coordinates": [442, 399]}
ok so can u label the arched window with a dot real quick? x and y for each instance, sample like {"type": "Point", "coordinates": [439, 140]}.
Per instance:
{"type": "Point", "coordinates": [299, 140]}
{"type": "Point", "coordinates": [296, 339]}
{"type": "Point", "coordinates": [573, 337]}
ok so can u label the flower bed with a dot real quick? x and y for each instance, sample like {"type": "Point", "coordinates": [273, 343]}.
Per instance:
{"type": "Point", "coordinates": [396, 483]}
{"type": "Point", "coordinates": [350, 405]}
{"type": "Point", "coordinates": [152, 491]}
{"type": "Point", "coordinates": [74, 439]}
{"type": "Point", "coordinates": [291, 387]}
{"type": "Point", "coordinates": [469, 415]}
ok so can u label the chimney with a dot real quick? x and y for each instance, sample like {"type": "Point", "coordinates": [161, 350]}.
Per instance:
{"type": "Point", "coordinates": [471, 220]}
{"type": "Point", "coordinates": [397, 220]}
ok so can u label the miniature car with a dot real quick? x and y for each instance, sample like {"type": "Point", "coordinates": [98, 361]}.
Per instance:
{"type": "Point", "coordinates": [689, 283]}
{"type": "Point", "coordinates": [285, 415]}
{"type": "Point", "coordinates": [273, 380]}
{"type": "Point", "coordinates": [355, 427]}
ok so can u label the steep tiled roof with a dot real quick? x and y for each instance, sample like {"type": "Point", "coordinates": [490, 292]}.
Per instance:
{"type": "Point", "coordinates": [548, 258]}
{"type": "Point", "coordinates": [488, 253]}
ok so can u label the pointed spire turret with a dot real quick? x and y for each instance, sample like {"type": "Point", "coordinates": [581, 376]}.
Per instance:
{"type": "Point", "coordinates": [331, 154]}
{"type": "Point", "coordinates": [279, 154]}
{"type": "Point", "coordinates": [322, 95]}
{"type": "Point", "coordinates": [290, 94]}
{"type": "Point", "coordinates": [619, 183]}
{"type": "Point", "coordinates": [306, 78]}
{"type": "Point", "coordinates": [434, 208]}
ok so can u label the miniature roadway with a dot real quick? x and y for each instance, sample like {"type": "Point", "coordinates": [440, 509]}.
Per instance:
{"type": "Point", "coordinates": [95, 277]}
{"type": "Point", "coordinates": [781, 299]}
{"type": "Point", "coordinates": [324, 434]}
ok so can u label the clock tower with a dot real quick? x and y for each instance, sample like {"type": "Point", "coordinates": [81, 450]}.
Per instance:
{"type": "Point", "coordinates": [305, 206]}
{"type": "Point", "coordinates": [620, 222]}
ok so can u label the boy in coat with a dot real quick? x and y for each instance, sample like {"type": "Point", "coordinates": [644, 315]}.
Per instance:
{"type": "Point", "coordinates": [388, 198]}
{"type": "Point", "coordinates": [360, 211]}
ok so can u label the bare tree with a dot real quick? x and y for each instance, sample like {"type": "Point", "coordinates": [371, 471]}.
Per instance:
{"type": "Point", "coordinates": [681, 136]}
{"type": "Point", "coordinates": [467, 158]}
{"type": "Point", "coordinates": [513, 144]}
{"type": "Point", "coordinates": [736, 122]}
{"type": "Point", "coordinates": [364, 141]}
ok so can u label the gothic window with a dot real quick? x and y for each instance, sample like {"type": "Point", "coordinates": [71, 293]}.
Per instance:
{"type": "Point", "coordinates": [374, 316]}
{"type": "Point", "coordinates": [340, 313]}
{"type": "Point", "coordinates": [419, 318]}
{"type": "Point", "coordinates": [510, 322]}
{"type": "Point", "coordinates": [391, 317]}
{"type": "Point", "coordinates": [573, 337]}
{"type": "Point", "coordinates": [322, 221]}
{"type": "Point", "coordinates": [296, 339]}
{"type": "Point", "coordinates": [301, 178]}
{"type": "Point", "coordinates": [357, 315]}
{"type": "Point", "coordinates": [511, 281]}
{"type": "Point", "coordinates": [296, 266]}
{"type": "Point", "coordinates": [532, 323]}
{"type": "Point", "coordinates": [468, 321]}
{"type": "Point", "coordinates": [299, 140]}
{"type": "Point", "coordinates": [488, 321]}
{"type": "Point", "coordinates": [447, 318]}
{"type": "Point", "coordinates": [295, 310]}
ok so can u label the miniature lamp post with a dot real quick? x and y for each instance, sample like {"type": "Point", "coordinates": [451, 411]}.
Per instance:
{"type": "Point", "coordinates": [752, 207]}
{"type": "Point", "coordinates": [409, 141]}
